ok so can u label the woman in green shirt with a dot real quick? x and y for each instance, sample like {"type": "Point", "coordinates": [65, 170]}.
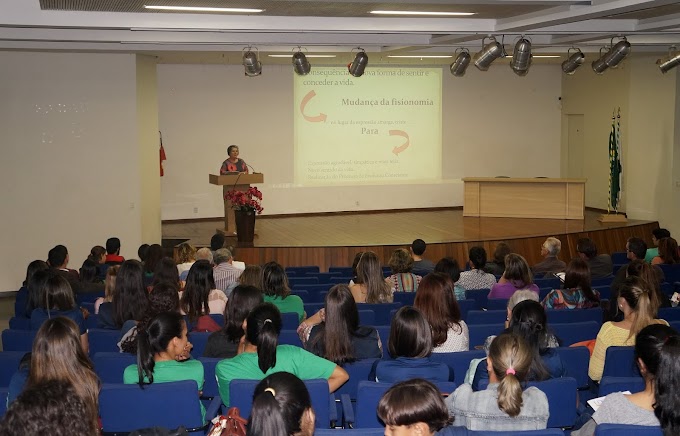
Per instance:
{"type": "Point", "coordinates": [276, 291]}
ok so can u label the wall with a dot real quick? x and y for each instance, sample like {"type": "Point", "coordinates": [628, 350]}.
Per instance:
{"type": "Point", "coordinates": [494, 123]}
{"type": "Point", "coordinates": [70, 168]}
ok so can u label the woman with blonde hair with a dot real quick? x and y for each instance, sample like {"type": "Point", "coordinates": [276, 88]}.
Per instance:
{"type": "Point", "coordinates": [372, 287]}
{"type": "Point", "coordinates": [639, 303]}
{"type": "Point", "coordinates": [109, 287]}
{"type": "Point", "coordinates": [517, 276]}
{"type": "Point", "coordinates": [503, 405]}
{"type": "Point", "coordinates": [251, 276]}
{"type": "Point", "coordinates": [186, 256]}
{"type": "Point", "coordinates": [402, 279]}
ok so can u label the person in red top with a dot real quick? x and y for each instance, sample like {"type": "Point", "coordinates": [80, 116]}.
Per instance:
{"type": "Point", "coordinates": [233, 164]}
{"type": "Point", "coordinates": [113, 256]}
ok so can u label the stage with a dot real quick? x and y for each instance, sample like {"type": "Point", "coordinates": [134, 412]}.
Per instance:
{"type": "Point", "coordinates": [332, 239]}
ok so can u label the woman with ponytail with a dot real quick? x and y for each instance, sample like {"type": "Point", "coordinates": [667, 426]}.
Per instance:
{"type": "Point", "coordinates": [162, 350]}
{"type": "Point", "coordinates": [281, 407]}
{"type": "Point", "coordinates": [503, 405]}
{"type": "Point", "coordinates": [260, 354]}
{"type": "Point", "coordinates": [639, 303]}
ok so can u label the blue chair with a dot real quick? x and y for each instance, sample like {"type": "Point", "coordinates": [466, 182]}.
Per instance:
{"type": "Point", "coordinates": [87, 305]}
{"type": "Point", "coordinates": [290, 337]}
{"type": "Point", "coordinates": [295, 281]}
{"type": "Point", "coordinates": [561, 393]}
{"type": "Point", "coordinates": [556, 316]}
{"type": "Point", "coordinates": [479, 333]}
{"type": "Point", "coordinates": [546, 432]}
{"type": "Point", "coordinates": [18, 340]}
{"type": "Point", "coordinates": [576, 360]}
{"type": "Point", "coordinates": [312, 308]}
{"type": "Point", "coordinates": [620, 362]}
{"type": "Point", "coordinates": [669, 313]}
{"type": "Point", "coordinates": [304, 295]}
{"type": "Point", "coordinates": [19, 308]}
{"type": "Point", "coordinates": [481, 297]}
{"type": "Point", "coordinates": [89, 297]}
{"type": "Point", "coordinates": [602, 281]}
{"type": "Point", "coordinates": [475, 317]}
{"type": "Point", "coordinates": [102, 340]}
{"type": "Point", "coordinates": [349, 431]}
{"type": "Point", "coordinates": [9, 364]}
{"type": "Point", "coordinates": [19, 323]}
{"type": "Point", "coordinates": [405, 298]}
{"type": "Point", "coordinates": [91, 321]}
{"type": "Point", "coordinates": [358, 371]}
{"type": "Point", "coordinates": [604, 291]}
{"type": "Point", "coordinates": [314, 289]}
{"type": "Point", "coordinates": [627, 430]}
{"type": "Point", "coordinates": [3, 401]}
{"type": "Point", "coordinates": [382, 311]}
{"type": "Point", "coordinates": [110, 366]}
{"type": "Point", "coordinates": [199, 340]}
{"type": "Point", "coordinates": [218, 318]}
{"type": "Point", "coordinates": [323, 402]}
{"type": "Point", "coordinates": [302, 270]}
{"type": "Point", "coordinates": [366, 317]}
{"type": "Point", "coordinates": [459, 362]}
{"type": "Point", "coordinates": [324, 277]}
{"type": "Point", "coordinates": [343, 270]}
{"type": "Point", "coordinates": [465, 307]}
{"type": "Point", "coordinates": [497, 304]}
{"type": "Point", "coordinates": [551, 282]}
{"type": "Point", "coordinates": [124, 408]}
{"type": "Point", "coordinates": [291, 320]}
{"type": "Point", "coordinates": [384, 332]}
{"type": "Point", "coordinates": [609, 385]}
{"type": "Point", "coordinates": [316, 297]}
{"type": "Point", "coordinates": [620, 257]}
{"type": "Point", "coordinates": [571, 333]}
{"type": "Point", "coordinates": [340, 280]}
{"type": "Point", "coordinates": [210, 388]}
{"type": "Point", "coordinates": [671, 272]}
{"type": "Point", "coordinates": [675, 325]}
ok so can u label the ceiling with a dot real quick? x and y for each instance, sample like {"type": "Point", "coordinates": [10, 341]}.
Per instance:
{"type": "Point", "coordinates": [332, 26]}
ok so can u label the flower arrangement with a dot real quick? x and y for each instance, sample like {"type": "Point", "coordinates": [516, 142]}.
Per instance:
{"type": "Point", "coordinates": [250, 200]}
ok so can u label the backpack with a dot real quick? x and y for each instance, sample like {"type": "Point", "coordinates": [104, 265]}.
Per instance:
{"type": "Point", "coordinates": [231, 425]}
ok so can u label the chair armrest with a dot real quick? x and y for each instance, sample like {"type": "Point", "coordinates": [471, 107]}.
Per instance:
{"type": "Point", "coordinates": [333, 409]}
{"type": "Point", "coordinates": [347, 410]}
{"type": "Point", "coordinates": [214, 408]}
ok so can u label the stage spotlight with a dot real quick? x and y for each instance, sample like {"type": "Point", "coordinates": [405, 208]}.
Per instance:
{"type": "Point", "coordinates": [521, 57]}
{"type": "Point", "coordinates": [488, 54]}
{"type": "Point", "coordinates": [358, 65]}
{"type": "Point", "coordinates": [461, 62]}
{"type": "Point", "coordinates": [573, 62]}
{"type": "Point", "coordinates": [669, 62]}
{"type": "Point", "coordinates": [253, 67]}
{"type": "Point", "coordinates": [301, 65]}
{"type": "Point", "coordinates": [616, 53]}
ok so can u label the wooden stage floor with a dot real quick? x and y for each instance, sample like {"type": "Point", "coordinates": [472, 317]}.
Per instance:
{"type": "Point", "coordinates": [332, 239]}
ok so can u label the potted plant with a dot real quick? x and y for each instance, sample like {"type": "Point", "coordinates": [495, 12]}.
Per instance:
{"type": "Point", "coordinates": [245, 204]}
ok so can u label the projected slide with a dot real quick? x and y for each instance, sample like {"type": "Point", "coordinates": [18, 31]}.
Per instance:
{"type": "Point", "coordinates": [382, 127]}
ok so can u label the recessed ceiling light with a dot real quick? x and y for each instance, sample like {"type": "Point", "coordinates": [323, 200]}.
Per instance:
{"type": "Point", "coordinates": [445, 14]}
{"type": "Point", "coordinates": [421, 57]}
{"type": "Point", "coordinates": [306, 55]}
{"type": "Point", "coordinates": [203, 9]}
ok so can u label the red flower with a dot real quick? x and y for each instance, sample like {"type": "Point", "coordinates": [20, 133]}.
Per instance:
{"type": "Point", "coordinates": [249, 200]}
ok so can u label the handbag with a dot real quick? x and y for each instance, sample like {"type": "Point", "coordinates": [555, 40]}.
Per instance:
{"type": "Point", "coordinates": [231, 425]}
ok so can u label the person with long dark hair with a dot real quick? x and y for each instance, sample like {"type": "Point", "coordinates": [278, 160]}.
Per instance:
{"type": "Point", "coordinates": [276, 290]}
{"type": "Point", "coordinates": [654, 344]}
{"type": "Point", "coordinates": [154, 255]}
{"type": "Point", "coordinates": [576, 292]}
{"type": "Point", "coordinates": [497, 265]}
{"type": "Point", "coordinates": [334, 332]}
{"type": "Point", "coordinates": [450, 267]}
{"type": "Point", "coordinates": [224, 343]}
{"type": "Point", "coordinates": [32, 268]}
{"type": "Point", "coordinates": [130, 300]}
{"type": "Point", "coordinates": [36, 290]}
{"type": "Point", "coordinates": [199, 296]}
{"type": "Point", "coordinates": [281, 407]}
{"type": "Point", "coordinates": [370, 286]}
{"type": "Point", "coordinates": [261, 355]}
{"type": "Point", "coordinates": [166, 271]}
{"type": "Point", "coordinates": [668, 252]}
{"type": "Point", "coordinates": [517, 276]}
{"type": "Point", "coordinates": [90, 283]}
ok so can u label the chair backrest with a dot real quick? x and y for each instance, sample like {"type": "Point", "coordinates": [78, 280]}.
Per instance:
{"type": "Point", "coordinates": [382, 311]}
{"type": "Point", "coordinates": [479, 333]}
{"type": "Point", "coordinates": [199, 340]}
{"type": "Point", "coordinates": [110, 366]}
{"type": "Point", "coordinates": [210, 388]}
{"type": "Point", "coordinates": [358, 371]}
{"type": "Point", "coordinates": [304, 295]}
{"type": "Point", "coordinates": [366, 317]}
{"type": "Point", "coordinates": [18, 340]}
{"type": "Point", "coordinates": [487, 317]}
{"type": "Point", "coordinates": [291, 320]}
{"type": "Point", "coordinates": [102, 340]}
{"type": "Point", "coordinates": [92, 321]}
{"type": "Point", "coordinates": [19, 323]}
{"type": "Point", "coordinates": [602, 281]}
{"type": "Point", "coordinates": [545, 432]}
{"type": "Point", "coordinates": [312, 308]}
{"type": "Point", "coordinates": [671, 272]}
{"type": "Point", "coordinates": [9, 364]}
{"type": "Point", "coordinates": [405, 298]}
{"type": "Point", "coordinates": [497, 304]}
{"type": "Point", "coordinates": [241, 396]}
{"type": "Point", "coordinates": [465, 307]}
{"type": "Point", "coordinates": [551, 282]}
{"type": "Point", "coordinates": [124, 408]}
{"type": "Point", "coordinates": [316, 288]}
{"type": "Point", "coordinates": [350, 431]}
{"type": "Point", "coordinates": [627, 430]}
{"type": "Point", "coordinates": [344, 279]}
{"type": "Point", "coordinates": [218, 318]}
{"type": "Point", "coordinates": [459, 362]}
{"type": "Point", "coordinates": [620, 257]}
{"type": "Point", "coordinates": [576, 360]}
{"type": "Point", "coordinates": [89, 297]}
{"type": "Point", "coordinates": [620, 362]}
{"type": "Point", "coordinates": [324, 277]}
{"type": "Point", "coordinates": [609, 385]}
{"type": "Point", "coordinates": [669, 314]}
{"type": "Point", "coordinates": [481, 296]}
{"type": "Point", "coordinates": [290, 337]}
{"type": "Point", "coordinates": [573, 332]}
{"type": "Point", "coordinates": [302, 270]}
{"type": "Point", "coordinates": [294, 281]}
{"type": "Point", "coordinates": [344, 270]}
{"type": "Point", "coordinates": [561, 393]}
{"type": "Point", "coordinates": [556, 316]}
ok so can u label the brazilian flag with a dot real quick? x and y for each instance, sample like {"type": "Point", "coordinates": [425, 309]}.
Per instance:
{"type": "Point", "coordinates": [614, 166]}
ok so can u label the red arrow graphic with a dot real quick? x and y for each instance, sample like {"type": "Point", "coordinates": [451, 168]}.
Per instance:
{"type": "Point", "coordinates": [404, 146]}
{"type": "Point", "coordinates": [315, 119]}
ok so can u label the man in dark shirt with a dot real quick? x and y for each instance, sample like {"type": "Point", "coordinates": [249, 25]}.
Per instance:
{"type": "Point", "coordinates": [58, 259]}
{"type": "Point", "coordinates": [550, 264]}
{"type": "Point", "coordinates": [421, 266]}
{"type": "Point", "coordinates": [600, 265]}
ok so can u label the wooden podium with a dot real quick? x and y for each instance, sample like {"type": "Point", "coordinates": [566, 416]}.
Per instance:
{"type": "Point", "coordinates": [239, 182]}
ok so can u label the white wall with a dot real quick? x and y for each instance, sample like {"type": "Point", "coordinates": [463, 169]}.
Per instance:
{"type": "Point", "coordinates": [70, 167]}
{"type": "Point", "coordinates": [494, 123]}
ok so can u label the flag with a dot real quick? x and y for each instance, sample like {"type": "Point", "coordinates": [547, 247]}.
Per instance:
{"type": "Point", "coordinates": [162, 153]}
{"type": "Point", "coordinates": [615, 169]}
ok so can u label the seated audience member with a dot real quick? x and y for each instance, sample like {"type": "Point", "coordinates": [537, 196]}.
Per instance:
{"type": "Point", "coordinates": [638, 303]}
{"type": "Point", "coordinates": [576, 292]}
{"type": "Point", "coordinates": [503, 405]}
{"type": "Point", "coordinates": [224, 343]}
{"type": "Point", "coordinates": [113, 256]}
{"type": "Point", "coordinates": [636, 249]}
{"type": "Point", "coordinates": [647, 272]}
{"type": "Point", "coordinates": [58, 355]}
{"type": "Point", "coordinates": [449, 266]}
{"type": "Point", "coordinates": [143, 252]}
{"type": "Point", "coordinates": [217, 241]}
{"type": "Point", "coordinates": [410, 345]}
{"type": "Point", "coordinates": [33, 267]}
{"type": "Point", "coordinates": [130, 301]}
{"type": "Point", "coordinates": [355, 262]}
{"type": "Point", "coordinates": [52, 407]}
{"type": "Point", "coordinates": [281, 406]}
{"type": "Point", "coordinates": [550, 263]}
{"type": "Point", "coordinates": [98, 256]}
{"type": "Point", "coordinates": [600, 265]}
{"type": "Point", "coordinates": [516, 298]}
{"type": "Point", "coordinates": [402, 279]}
{"type": "Point", "coordinates": [162, 352]}
{"type": "Point", "coordinates": [199, 297]}
{"type": "Point", "coordinates": [668, 252]}
{"type": "Point", "coordinates": [166, 271]}
{"type": "Point", "coordinates": [186, 256]}
{"type": "Point", "coordinates": [437, 302]}
{"type": "Point", "coordinates": [517, 276]}
{"type": "Point", "coordinates": [497, 265]}
{"type": "Point", "coordinates": [529, 321]}
{"type": "Point", "coordinates": [89, 280]}
{"type": "Point", "coordinates": [657, 235]}
{"type": "Point", "coordinates": [421, 266]}
{"type": "Point", "coordinates": [58, 260]}
{"type": "Point", "coordinates": [58, 301]}
{"type": "Point", "coordinates": [653, 345]}
{"type": "Point", "coordinates": [36, 290]}
{"type": "Point", "coordinates": [201, 254]}
{"type": "Point", "coordinates": [154, 255]}
{"type": "Point", "coordinates": [226, 275]}
{"type": "Point", "coordinates": [476, 278]}
{"type": "Point", "coordinates": [276, 291]}
{"type": "Point", "coordinates": [334, 332]}
{"type": "Point", "coordinates": [236, 263]}
{"type": "Point", "coordinates": [261, 355]}
{"type": "Point", "coordinates": [415, 408]}
{"type": "Point", "coordinates": [370, 286]}
{"type": "Point", "coordinates": [251, 276]}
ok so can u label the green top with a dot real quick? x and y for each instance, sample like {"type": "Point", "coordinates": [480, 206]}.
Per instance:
{"type": "Point", "coordinates": [291, 303]}
{"type": "Point", "coordinates": [289, 358]}
{"type": "Point", "coordinates": [170, 371]}
{"type": "Point", "coordinates": [651, 254]}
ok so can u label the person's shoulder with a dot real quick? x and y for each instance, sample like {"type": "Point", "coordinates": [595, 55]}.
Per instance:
{"type": "Point", "coordinates": [131, 374]}
{"type": "Point", "coordinates": [452, 431]}
{"type": "Point", "coordinates": [461, 393]}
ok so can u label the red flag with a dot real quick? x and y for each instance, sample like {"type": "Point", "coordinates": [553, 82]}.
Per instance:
{"type": "Point", "coordinates": [162, 153]}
